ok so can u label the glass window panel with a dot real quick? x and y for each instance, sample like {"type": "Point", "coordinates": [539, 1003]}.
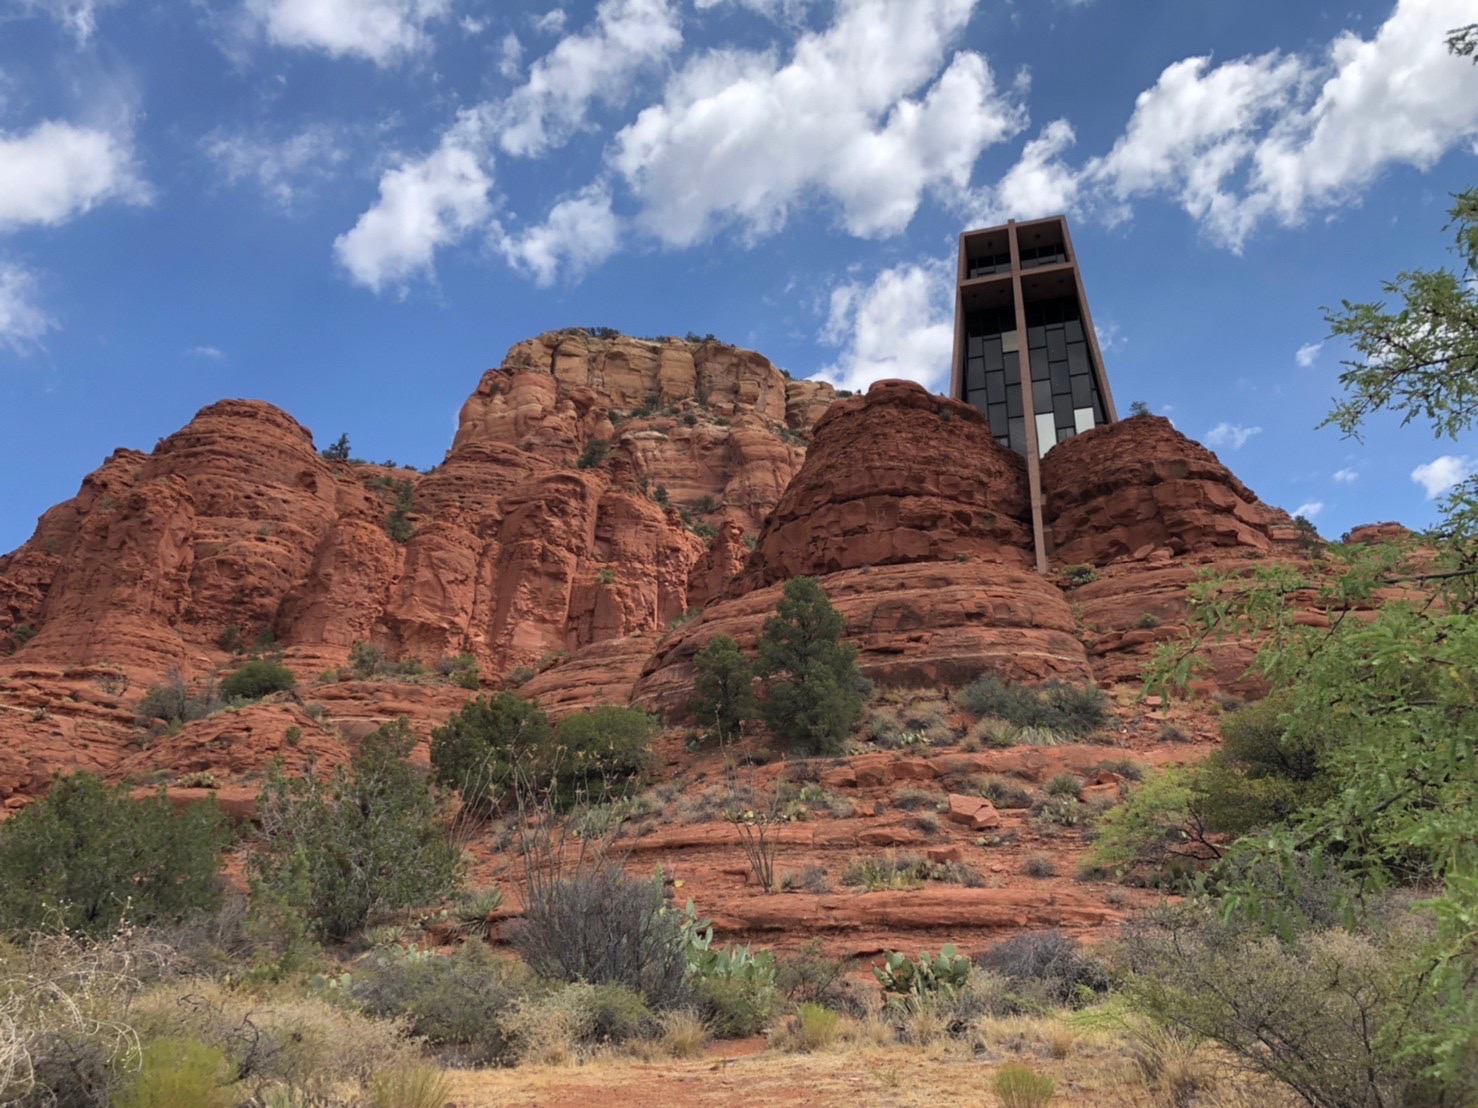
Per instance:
{"type": "Point", "coordinates": [1061, 380]}
{"type": "Point", "coordinates": [1010, 341]}
{"type": "Point", "coordinates": [994, 359]}
{"type": "Point", "coordinates": [1077, 357]}
{"type": "Point", "coordinates": [1017, 435]}
{"type": "Point", "coordinates": [1083, 419]}
{"type": "Point", "coordinates": [1056, 344]}
{"type": "Point", "coordinates": [1041, 395]}
{"type": "Point", "coordinates": [1012, 372]}
{"type": "Point", "coordinates": [974, 346]}
{"type": "Point", "coordinates": [995, 387]}
{"type": "Point", "coordinates": [1013, 400]}
{"type": "Point", "coordinates": [998, 421]}
{"type": "Point", "coordinates": [1040, 369]}
{"type": "Point", "coordinates": [1065, 433]}
{"type": "Point", "coordinates": [1082, 392]}
{"type": "Point", "coordinates": [1036, 337]}
{"type": "Point", "coordinates": [1046, 433]}
{"type": "Point", "coordinates": [1073, 328]}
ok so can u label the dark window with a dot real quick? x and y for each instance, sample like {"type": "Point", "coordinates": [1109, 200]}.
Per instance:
{"type": "Point", "coordinates": [1013, 400]}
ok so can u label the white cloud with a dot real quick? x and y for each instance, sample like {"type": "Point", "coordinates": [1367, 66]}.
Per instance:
{"type": "Point", "coordinates": [382, 31]}
{"type": "Point", "coordinates": [1310, 509]}
{"type": "Point", "coordinates": [1278, 137]}
{"type": "Point", "coordinates": [23, 321]}
{"type": "Point", "coordinates": [1307, 353]}
{"type": "Point", "coordinates": [1232, 435]}
{"type": "Point", "coordinates": [901, 324]}
{"type": "Point", "coordinates": [788, 10]}
{"type": "Point", "coordinates": [1346, 476]}
{"type": "Point", "coordinates": [599, 63]}
{"type": "Point", "coordinates": [282, 168]}
{"type": "Point", "coordinates": [551, 22]}
{"type": "Point", "coordinates": [1039, 184]}
{"type": "Point", "coordinates": [57, 171]}
{"type": "Point", "coordinates": [423, 205]}
{"type": "Point", "coordinates": [580, 232]}
{"type": "Point", "coordinates": [510, 56]}
{"type": "Point", "coordinates": [1441, 474]}
{"type": "Point", "coordinates": [79, 17]}
{"type": "Point", "coordinates": [212, 353]}
{"type": "Point", "coordinates": [743, 137]}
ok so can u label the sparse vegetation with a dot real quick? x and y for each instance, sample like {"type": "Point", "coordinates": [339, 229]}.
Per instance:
{"type": "Point", "coordinates": [723, 687]}
{"type": "Point", "coordinates": [256, 679]}
{"type": "Point", "coordinates": [594, 453]}
{"type": "Point", "coordinates": [1072, 711]}
{"type": "Point", "coordinates": [814, 695]}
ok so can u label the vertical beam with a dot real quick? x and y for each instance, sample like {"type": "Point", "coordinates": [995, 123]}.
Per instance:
{"type": "Point", "coordinates": [1024, 372]}
{"type": "Point", "coordinates": [957, 356]}
{"type": "Point", "coordinates": [1090, 332]}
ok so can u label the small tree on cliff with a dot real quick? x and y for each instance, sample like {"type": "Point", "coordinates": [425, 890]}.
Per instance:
{"type": "Point", "coordinates": [477, 750]}
{"type": "Point", "coordinates": [724, 697]}
{"type": "Point", "coordinates": [815, 691]}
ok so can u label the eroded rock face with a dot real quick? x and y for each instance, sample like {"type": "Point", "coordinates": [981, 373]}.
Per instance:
{"type": "Point", "coordinates": [1140, 486]}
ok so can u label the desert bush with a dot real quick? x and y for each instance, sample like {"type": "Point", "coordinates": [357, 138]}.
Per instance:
{"type": "Point", "coordinates": [681, 1033]}
{"type": "Point", "coordinates": [723, 697]}
{"type": "Point", "coordinates": [1004, 793]}
{"type": "Point", "coordinates": [1079, 575]}
{"type": "Point", "coordinates": [256, 679]}
{"type": "Point", "coordinates": [173, 702]}
{"type": "Point", "coordinates": [559, 1025]}
{"type": "Point", "coordinates": [453, 1002]}
{"type": "Point", "coordinates": [918, 721]}
{"type": "Point", "coordinates": [1340, 1018]}
{"type": "Point", "coordinates": [343, 848]}
{"type": "Point", "coordinates": [178, 1073]}
{"type": "Point", "coordinates": [1019, 1086]}
{"type": "Point", "coordinates": [599, 752]}
{"type": "Point", "coordinates": [814, 696]}
{"type": "Point", "coordinates": [283, 1041]}
{"type": "Point", "coordinates": [461, 670]}
{"type": "Point", "coordinates": [735, 987]}
{"type": "Point", "coordinates": [1040, 865]}
{"type": "Point", "coordinates": [1062, 811]}
{"type": "Point", "coordinates": [476, 750]}
{"type": "Point", "coordinates": [475, 908]}
{"type": "Point", "coordinates": [810, 975]}
{"type": "Point", "coordinates": [1256, 737]}
{"type": "Point", "coordinates": [1063, 784]}
{"type": "Point", "coordinates": [409, 1085]}
{"type": "Point", "coordinates": [1069, 710]}
{"type": "Point", "coordinates": [594, 453]}
{"type": "Point", "coordinates": [813, 1027]}
{"type": "Point", "coordinates": [86, 856]}
{"type": "Point", "coordinates": [909, 984]}
{"type": "Point", "coordinates": [1046, 969]}
{"type": "Point", "coordinates": [592, 923]}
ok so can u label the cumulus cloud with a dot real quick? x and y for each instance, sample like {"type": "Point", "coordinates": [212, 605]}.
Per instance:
{"type": "Point", "coordinates": [1309, 509]}
{"type": "Point", "coordinates": [283, 168]}
{"type": "Point", "coordinates": [510, 56]}
{"type": "Point", "coordinates": [580, 232]}
{"type": "Point", "coordinates": [598, 63]}
{"type": "Point", "coordinates": [1277, 137]}
{"type": "Point", "coordinates": [79, 17]}
{"type": "Point", "coordinates": [381, 31]}
{"type": "Point", "coordinates": [423, 204]}
{"type": "Point", "coordinates": [23, 321]}
{"type": "Point", "coordinates": [57, 171]}
{"type": "Point", "coordinates": [1307, 353]}
{"type": "Point", "coordinates": [210, 353]}
{"type": "Point", "coordinates": [850, 115]}
{"type": "Point", "coordinates": [1346, 476]}
{"type": "Point", "coordinates": [788, 10]}
{"type": "Point", "coordinates": [1041, 183]}
{"type": "Point", "coordinates": [900, 324]}
{"type": "Point", "coordinates": [1232, 435]}
{"type": "Point", "coordinates": [1444, 473]}
{"type": "Point", "coordinates": [551, 22]}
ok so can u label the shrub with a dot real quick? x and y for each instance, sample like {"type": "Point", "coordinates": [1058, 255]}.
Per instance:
{"type": "Point", "coordinates": [1073, 710]}
{"type": "Point", "coordinates": [736, 989]}
{"type": "Point", "coordinates": [811, 1028]}
{"type": "Point", "coordinates": [1079, 575]}
{"type": "Point", "coordinates": [173, 703]}
{"type": "Point", "coordinates": [1256, 737]}
{"type": "Point", "coordinates": [598, 751]}
{"type": "Point", "coordinates": [815, 692]}
{"type": "Point", "coordinates": [1040, 865]}
{"type": "Point", "coordinates": [1019, 1086]}
{"type": "Point", "coordinates": [1064, 784]}
{"type": "Point", "coordinates": [476, 750]}
{"type": "Point", "coordinates": [178, 1073]}
{"type": "Point", "coordinates": [256, 679]}
{"type": "Point", "coordinates": [596, 925]}
{"type": "Point", "coordinates": [84, 857]}
{"type": "Point", "coordinates": [605, 577]}
{"type": "Point", "coordinates": [910, 984]}
{"type": "Point", "coordinates": [22, 633]}
{"type": "Point", "coordinates": [410, 1085]}
{"type": "Point", "coordinates": [1005, 793]}
{"type": "Point", "coordinates": [1047, 969]}
{"type": "Point", "coordinates": [369, 840]}
{"type": "Point", "coordinates": [452, 1002]}
{"type": "Point", "coordinates": [338, 451]}
{"type": "Point", "coordinates": [397, 520]}
{"type": "Point", "coordinates": [682, 1033]}
{"type": "Point", "coordinates": [722, 686]}
{"type": "Point", "coordinates": [461, 670]}
{"type": "Point", "coordinates": [809, 975]}
{"type": "Point", "coordinates": [1340, 1018]}
{"type": "Point", "coordinates": [594, 453]}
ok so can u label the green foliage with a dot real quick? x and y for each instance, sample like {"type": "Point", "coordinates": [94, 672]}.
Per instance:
{"type": "Point", "coordinates": [722, 687]}
{"type": "Point", "coordinates": [605, 576]}
{"type": "Point", "coordinates": [594, 453]}
{"type": "Point", "coordinates": [410, 1085]}
{"type": "Point", "coordinates": [462, 671]}
{"type": "Point", "coordinates": [815, 692]}
{"type": "Point", "coordinates": [1138, 408]}
{"type": "Point", "coordinates": [338, 451]}
{"type": "Point", "coordinates": [85, 857]}
{"type": "Point", "coordinates": [1070, 710]}
{"type": "Point", "coordinates": [1079, 575]}
{"type": "Point", "coordinates": [1017, 1085]}
{"type": "Point", "coordinates": [178, 1073]}
{"type": "Point", "coordinates": [344, 848]}
{"type": "Point", "coordinates": [256, 679]}
{"type": "Point", "coordinates": [736, 989]}
{"type": "Point", "coordinates": [911, 983]}
{"type": "Point", "coordinates": [173, 702]}
{"type": "Point", "coordinates": [22, 633]}
{"type": "Point", "coordinates": [814, 1028]}
{"type": "Point", "coordinates": [661, 496]}
{"type": "Point", "coordinates": [1045, 970]}
{"type": "Point", "coordinates": [397, 520]}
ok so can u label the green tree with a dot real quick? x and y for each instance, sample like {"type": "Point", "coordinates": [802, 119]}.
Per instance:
{"type": "Point", "coordinates": [476, 750]}
{"type": "Point", "coordinates": [814, 697]}
{"type": "Point", "coordinates": [359, 842]}
{"type": "Point", "coordinates": [256, 679]}
{"type": "Point", "coordinates": [723, 687]}
{"type": "Point", "coordinates": [1389, 703]}
{"type": "Point", "coordinates": [339, 451]}
{"type": "Point", "coordinates": [84, 857]}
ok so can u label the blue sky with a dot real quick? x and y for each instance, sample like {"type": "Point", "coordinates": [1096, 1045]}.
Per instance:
{"type": "Point", "coordinates": [350, 208]}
